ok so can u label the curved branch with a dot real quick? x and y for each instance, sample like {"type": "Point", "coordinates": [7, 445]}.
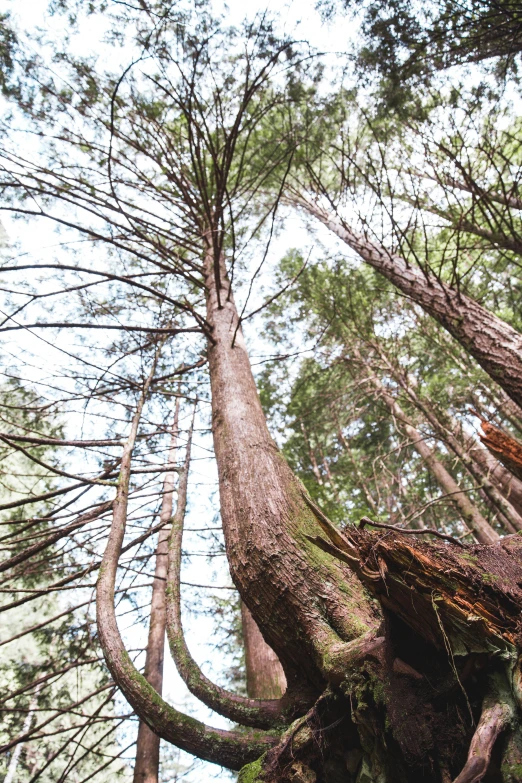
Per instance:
{"type": "Point", "coordinates": [30, 551]}
{"type": "Point", "coordinates": [260, 713]}
{"type": "Point", "coordinates": [228, 748]}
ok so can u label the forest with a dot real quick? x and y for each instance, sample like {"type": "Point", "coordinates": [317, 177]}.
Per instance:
{"type": "Point", "coordinates": [261, 391]}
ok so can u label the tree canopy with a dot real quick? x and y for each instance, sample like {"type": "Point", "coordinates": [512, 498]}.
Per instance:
{"type": "Point", "coordinates": [261, 406]}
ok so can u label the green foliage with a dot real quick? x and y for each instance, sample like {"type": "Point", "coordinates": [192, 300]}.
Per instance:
{"type": "Point", "coordinates": [338, 434]}
{"type": "Point", "coordinates": [8, 42]}
{"type": "Point", "coordinates": [404, 43]}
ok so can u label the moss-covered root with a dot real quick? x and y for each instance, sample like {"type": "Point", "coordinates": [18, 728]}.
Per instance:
{"type": "Point", "coordinates": [511, 767]}
{"type": "Point", "coordinates": [285, 761]}
{"type": "Point", "coordinates": [253, 773]}
{"type": "Point", "coordinates": [297, 772]}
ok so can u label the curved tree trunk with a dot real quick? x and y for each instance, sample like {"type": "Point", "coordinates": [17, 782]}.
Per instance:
{"type": "Point", "coordinates": [303, 604]}
{"type": "Point", "coordinates": [403, 653]}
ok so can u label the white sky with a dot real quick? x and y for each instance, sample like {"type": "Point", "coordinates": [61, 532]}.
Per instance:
{"type": "Point", "coordinates": [302, 20]}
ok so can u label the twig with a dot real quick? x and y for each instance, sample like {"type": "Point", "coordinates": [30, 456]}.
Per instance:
{"type": "Point", "coordinates": [367, 521]}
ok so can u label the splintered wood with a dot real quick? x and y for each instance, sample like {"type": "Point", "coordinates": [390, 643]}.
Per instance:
{"type": "Point", "coordinates": [505, 448]}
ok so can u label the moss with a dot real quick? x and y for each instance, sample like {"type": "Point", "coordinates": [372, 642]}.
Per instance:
{"type": "Point", "coordinates": [511, 773]}
{"type": "Point", "coordinates": [252, 773]}
{"type": "Point", "coordinates": [489, 578]}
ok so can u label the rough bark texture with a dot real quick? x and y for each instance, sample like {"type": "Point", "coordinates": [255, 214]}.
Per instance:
{"type": "Point", "coordinates": [264, 673]}
{"type": "Point", "coordinates": [450, 669]}
{"type": "Point", "coordinates": [495, 345]}
{"type": "Point", "coordinates": [302, 601]}
{"type": "Point", "coordinates": [390, 644]}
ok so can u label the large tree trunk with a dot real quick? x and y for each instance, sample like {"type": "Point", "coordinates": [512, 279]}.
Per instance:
{"type": "Point", "coordinates": [304, 604]}
{"type": "Point", "coordinates": [420, 682]}
{"type": "Point", "coordinates": [495, 345]}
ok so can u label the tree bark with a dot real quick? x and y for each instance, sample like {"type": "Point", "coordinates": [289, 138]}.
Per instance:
{"type": "Point", "coordinates": [146, 768]}
{"type": "Point", "coordinates": [264, 674]}
{"type": "Point", "coordinates": [495, 345]}
{"type": "Point", "coordinates": [507, 484]}
{"type": "Point", "coordinates": [303, 604]}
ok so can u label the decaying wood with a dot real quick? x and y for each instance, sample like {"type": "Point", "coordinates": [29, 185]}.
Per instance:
{"type": "Point", "coordinates": [471, 598]}
{"type": "Point", "coordinates": [504, 447]}
{"type": "Point", "coordinates": [462, 603]}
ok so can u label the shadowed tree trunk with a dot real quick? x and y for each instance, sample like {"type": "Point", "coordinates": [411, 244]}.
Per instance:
{"type": "Point", "coordinates": [264, 674]}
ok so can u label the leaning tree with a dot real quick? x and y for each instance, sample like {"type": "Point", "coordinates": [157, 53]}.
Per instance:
{"type": "Point", "coordinates": [400, 656]}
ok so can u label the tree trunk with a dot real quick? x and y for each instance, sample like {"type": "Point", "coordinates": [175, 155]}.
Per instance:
{"type": "Point", "coordinates": [264, 674]}
{"type": "Point", "coordinates": [495, 345]}
{"type": "Point", "coordinates": [507, 484]}
{"type": "Point", "coordinates": [146, 768]}
{"type": "Point", "coordinates": [302, 603]}
{"type": "Point", "coordinates": [496, 491]}
{"type": "Point", "coordinates": [469, 512]}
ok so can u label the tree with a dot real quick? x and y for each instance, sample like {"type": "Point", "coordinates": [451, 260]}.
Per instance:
{"type": "Point", "coordinates": [407, 45]}
{"type": "Point", "coordinates": [53, 685]}
{"type": "Point", "coordinates": [173, 169]}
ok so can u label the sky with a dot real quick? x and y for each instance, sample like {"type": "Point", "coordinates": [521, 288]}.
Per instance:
{"type": "Point", "coordinates": [302, 20]}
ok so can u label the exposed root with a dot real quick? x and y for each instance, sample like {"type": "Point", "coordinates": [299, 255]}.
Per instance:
{"type": "Point", "coordinates": [497, 713]}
